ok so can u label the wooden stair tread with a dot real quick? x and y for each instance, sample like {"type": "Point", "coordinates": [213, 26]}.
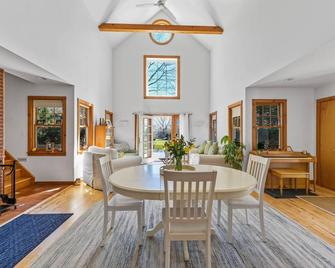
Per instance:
{"type": "Point", "coordinates": [24, 178]}
{"type": "Point", "coordinates": [18, 179]}
{"type": "Point", "coordinates": [21, 183]}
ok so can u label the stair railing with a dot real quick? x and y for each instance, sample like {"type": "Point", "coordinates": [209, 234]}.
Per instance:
{"type": "Point", "coordinates": [8, 200]}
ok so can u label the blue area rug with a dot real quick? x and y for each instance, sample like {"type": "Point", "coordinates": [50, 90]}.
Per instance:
{"type": "Point", "coordinates": [23, 234]}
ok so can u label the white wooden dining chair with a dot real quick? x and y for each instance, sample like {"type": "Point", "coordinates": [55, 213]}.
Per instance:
{"type": "Point", "coordinates": [187, 215]}
{"type": "Point", "coordinates": [257, 167]}
{"type": "Point", "coordinates": [117, 202]}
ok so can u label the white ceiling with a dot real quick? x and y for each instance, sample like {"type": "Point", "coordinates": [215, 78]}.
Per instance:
{"type": "Point", "coordinates": [314, 70]}
{"type": "Point", "coordinates": [189, 12]}
{"type": "Point", "coordinates": [24, 69]}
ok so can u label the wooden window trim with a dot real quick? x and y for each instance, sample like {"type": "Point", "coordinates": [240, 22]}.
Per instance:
{"type": "Point", "coordinates": [31, 126]}
{"type": "Point", "coordinates": [230, 113]}
{"type": "Point", "coordinates": [90, 107]}
{"type": "Point", "coordinates": [283, 127]}
{"type": "Point", "coordinates": [210, 125]}
{"type": "Point", "coordinates": [161, 22]}
{"type": "Point", "coordinates": [145, 76]}
{"type": "Point", "coordinates": [111, 116]}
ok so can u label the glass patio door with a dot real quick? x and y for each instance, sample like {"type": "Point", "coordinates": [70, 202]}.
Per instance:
{"type": "Point", "coordinates": [147, 144]}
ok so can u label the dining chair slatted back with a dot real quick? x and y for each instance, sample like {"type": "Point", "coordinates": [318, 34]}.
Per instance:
{"type": "Point", "coordinates": [258, 167]}
{"type": "Point", "coordinates": [189, 196]}
{"type": "Point", "coordinates": [105, 168]}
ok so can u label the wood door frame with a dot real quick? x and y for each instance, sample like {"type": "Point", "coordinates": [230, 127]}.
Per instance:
{"type": "Point", "coordinates": [230, 113]}
{"type": "Point", "coordinates": [90, 108]}
{"type": "Point", "coordinates": [318, 119]}
{"type": "Point", "coordinates": [175, 118]}
{"type": "Point", "coordinates": [210, 124]}
{"type": "Point", "coordinates": [283, 136]}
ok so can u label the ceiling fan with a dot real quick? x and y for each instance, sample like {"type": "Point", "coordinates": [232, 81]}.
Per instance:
{"type": "Point", "coordinates": [161, 5]}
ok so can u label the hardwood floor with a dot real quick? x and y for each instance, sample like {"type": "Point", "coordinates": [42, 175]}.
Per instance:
{"type": "Point", "coordinates": [77, 199]}
{"type": "Point", "coordinates": [32, 195]}
{"type": "Point", "coordinates": [312, 218]}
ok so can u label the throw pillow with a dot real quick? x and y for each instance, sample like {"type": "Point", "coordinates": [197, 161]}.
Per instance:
{"type": "Point", "coordinates": [213, 149]}
{"type": "Point", "coordinates": [202, 147]}
{"type": "Point", "coordinates": [208, 145]}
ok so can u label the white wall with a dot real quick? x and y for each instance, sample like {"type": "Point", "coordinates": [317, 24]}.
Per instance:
{"type": "Point", "coordinates": [62, 38]}
{"type": "Point", "coordinates": [262, 37]}
{"type": "Point", "coordinates": [325, 91]}
{"type": "Point", "coordinates": [128, 83]}
{"type": "Point", "coordinates": [44, 168]}
{"type": "Point", "coordinates": [300, 115]}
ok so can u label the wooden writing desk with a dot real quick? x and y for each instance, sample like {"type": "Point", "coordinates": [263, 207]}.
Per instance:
{"type": "Point", "coordinates": [289, 160]}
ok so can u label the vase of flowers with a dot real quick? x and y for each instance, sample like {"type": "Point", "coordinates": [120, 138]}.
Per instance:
{"type": "Point", "coordinates": [177, 148]}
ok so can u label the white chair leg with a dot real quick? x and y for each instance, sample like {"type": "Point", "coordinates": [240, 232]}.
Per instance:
{"type": "Point", "coordinates": [139, 225]}
{"type": "Point", "coordinates": [167, 253]}
{"type": "Point", "coordinates": [104, 230]}
{"type": "Point", "coordinates": [186, 253]}
{"type": "Point", "coordinates": [246, 216]}
{"type": "Point", "coordinates": [143, 214]}
{"type": "Point", "coordinates": [208, 252]}
{"type": "Point", "coordinates": [219, 212]}
{"type": "Point", "coordinates": [261, 219]}
{"type": "Point", "coordinates": [230, 223]}
{"type": "Point", "coordinates": [113, 219]}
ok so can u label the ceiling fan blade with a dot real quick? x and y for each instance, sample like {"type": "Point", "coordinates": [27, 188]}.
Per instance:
{"type": "Point", "coordinates": [145, 4]}
{"type": "Point", "coordinates": [168, 13]}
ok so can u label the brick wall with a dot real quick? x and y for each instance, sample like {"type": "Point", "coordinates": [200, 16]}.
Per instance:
{"type": "Point", "coordinates": [2, 124]}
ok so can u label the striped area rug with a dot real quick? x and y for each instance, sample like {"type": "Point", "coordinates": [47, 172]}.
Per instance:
{"type": "Point", "coordinates": [287, 244]}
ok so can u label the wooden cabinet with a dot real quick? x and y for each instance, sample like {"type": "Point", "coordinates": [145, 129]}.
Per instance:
{"type": "Point", "coordinates": [104, 136]}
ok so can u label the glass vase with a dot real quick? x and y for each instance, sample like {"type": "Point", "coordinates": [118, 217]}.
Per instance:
{"type": "Point", "coordinates": [179, 164]}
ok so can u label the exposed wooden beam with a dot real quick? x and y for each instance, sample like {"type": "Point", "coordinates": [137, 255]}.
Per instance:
{"type": "Point", "coordinates": [147, 28]}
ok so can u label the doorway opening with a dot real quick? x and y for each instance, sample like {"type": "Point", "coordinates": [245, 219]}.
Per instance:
{"type": "Point", "coordinates": [157, 130]}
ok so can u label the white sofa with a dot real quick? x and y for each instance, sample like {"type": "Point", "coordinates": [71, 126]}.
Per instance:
{"type": "Point", "coordinates": [90, 164]}
{"type": "Point", "coordinates": [206, 159]}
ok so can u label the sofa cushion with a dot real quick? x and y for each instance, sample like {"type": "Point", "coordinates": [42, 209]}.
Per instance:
{"type": "Point", "coordinates": [122, 147]}
{"type": "Point", "coordinates": [130, 161]}
{"type": "Point", "coordinates": [213, 149]}
{"type": "Point", "coordinates": [208, 145]}
{"type": "Point", "coordinates": [201, 149]}
{"type": "Point", "coordinates": [111, 152]}
{"type": "Point", "coordinates": [216, 160]}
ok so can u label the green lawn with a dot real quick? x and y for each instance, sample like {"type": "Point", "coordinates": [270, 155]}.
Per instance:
{"type": "Point", "coordinates": [159, 144]}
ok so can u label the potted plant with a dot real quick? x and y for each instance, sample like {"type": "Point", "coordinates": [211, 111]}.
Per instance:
{"type": "Point", "coordinates": [233, 152]}
{"type": "Point", "coordinates": [177, 148]}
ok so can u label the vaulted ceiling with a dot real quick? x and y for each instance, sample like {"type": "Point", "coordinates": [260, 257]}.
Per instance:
{"type": "Point", "coordinates": [187, 12]}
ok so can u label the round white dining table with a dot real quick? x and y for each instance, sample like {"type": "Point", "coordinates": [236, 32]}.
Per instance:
{"type": "Point", "coordinates": [145, 182]}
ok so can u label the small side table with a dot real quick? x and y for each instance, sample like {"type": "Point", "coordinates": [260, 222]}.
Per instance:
{"type": "Point", "coordinates": [288, 173]}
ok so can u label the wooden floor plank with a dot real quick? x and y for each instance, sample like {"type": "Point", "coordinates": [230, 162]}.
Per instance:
{"type": "Point", "coordinates": [31, 196]}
